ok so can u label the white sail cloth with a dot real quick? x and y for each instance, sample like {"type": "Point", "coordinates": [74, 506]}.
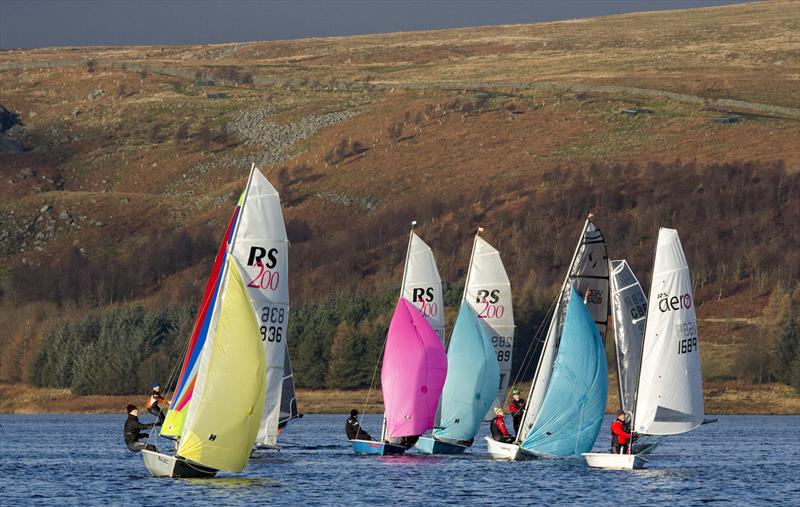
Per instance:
{"type": "Point", "coordinates": [670, 397]}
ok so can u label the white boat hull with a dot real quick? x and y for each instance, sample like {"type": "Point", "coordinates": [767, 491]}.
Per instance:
{"type": "Point", "coordinates": [614, 461]}
{"type": "Point", "coordinates": [501, 450]}
{"type": "Point", "coordinates": [163, 465]}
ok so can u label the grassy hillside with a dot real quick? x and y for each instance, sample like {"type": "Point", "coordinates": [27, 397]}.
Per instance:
{"type": "Point", "coordinates": [135, 156]}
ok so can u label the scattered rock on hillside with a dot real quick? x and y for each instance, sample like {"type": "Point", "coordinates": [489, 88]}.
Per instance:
{"type": "Point", "coordinates": [253, 127]}
{"type": "Point", "coordinates": [10, 145]}
{"type": "Point", "coordinates": [96, 94]}
{"type": "Point", "coordinates": [8, 119]}
{"type": "Point", "coordinates": [18, 131]}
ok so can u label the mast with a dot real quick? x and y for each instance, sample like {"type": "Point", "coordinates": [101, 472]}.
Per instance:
{"type": "Point", "coordinates": [408, 254]}
{"type": "Point", "coordinates": [644, 334]}
{"type": "Point", "coordinates": [556, 315]}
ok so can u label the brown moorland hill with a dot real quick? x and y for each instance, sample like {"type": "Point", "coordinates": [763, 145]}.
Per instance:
{"type": "Point", "coordinates": [135, 156]}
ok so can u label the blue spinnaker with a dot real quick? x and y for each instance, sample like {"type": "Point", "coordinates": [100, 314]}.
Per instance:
{"type": "Point", "coordinates": [575, 402]}
{"type": "Point", "coordinates": [473, 375]}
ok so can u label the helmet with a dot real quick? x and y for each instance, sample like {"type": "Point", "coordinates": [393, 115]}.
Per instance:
{"type": "Point", "coordinates": [156, 384]}
{"type": "Point", "coordinates": [514, 391]}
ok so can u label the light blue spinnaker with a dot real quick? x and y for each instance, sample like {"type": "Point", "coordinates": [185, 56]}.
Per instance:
{"type": "Point", "coordinates": [575, 402]}
{"type": "Point", "coordinates": [473, 375]}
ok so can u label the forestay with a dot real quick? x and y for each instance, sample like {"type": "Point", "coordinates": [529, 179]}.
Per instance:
{"type": "Point", "coordinates": [629, 308]}
{"type": "Point", "coordinates": [574, 405]}
{"type": "Point", "coordinates": [588, 275]}
{"type": "Point", "coordinates": [413, 373]}
{"type": "Point", "coordinates": [228, 400]}
{"type": "Point", "coordinates": [422, 285]}
{"type": "Point", "coordinates": [472, 377]}
{"type": "Point", "coordinates": [670, 398]}
{"type": "Point", "coordinates": [488, 292]}
{"type": "Point", "coordinates": [261, 247]}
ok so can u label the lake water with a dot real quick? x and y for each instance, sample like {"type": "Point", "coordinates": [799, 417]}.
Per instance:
{"type": "Point", "coordinates": [69, 459]}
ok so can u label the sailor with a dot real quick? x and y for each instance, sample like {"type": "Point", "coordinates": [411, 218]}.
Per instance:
{"type": "Point", "coordinates": [516, 407]}
{"type": "Point", "coordinates": [132, 434]}
{"type": "Point", "coordinates": [153, 401]}
{"type": "Point", "coordinates": [498, 427]}
{"type": "Point", "coordinates": [621, 434]}
{"type": "Point", "coordinates": [353, 428]}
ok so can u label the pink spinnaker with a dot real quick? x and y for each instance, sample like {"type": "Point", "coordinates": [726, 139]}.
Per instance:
{"type": "Point", "coordinates": [413, 373]}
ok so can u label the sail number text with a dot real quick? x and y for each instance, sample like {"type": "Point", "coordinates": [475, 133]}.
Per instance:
{"type": "Point", "coordinates": [687, 334]}
{"type": "Point", "coordinates": [505, 342]}
{"type": "Point", "coordinates": [491, 311]}
{"type": "Point", "coordinates": [272, 315]}
{"type": "Point", "coordinates": [265, 279]}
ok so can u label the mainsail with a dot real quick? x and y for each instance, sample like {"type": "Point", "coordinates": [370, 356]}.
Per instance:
{"type": "Point", "coordinates": [573, 408]}
{"type": "Point", "coordinates": [261, 247]}
{"type": "Point", "coordinates": [422, 285]}
{"type": "Point", "coordinates": [223, 418]}
{"type": "Point", "coordinates": [473, 374]}
{"type": "Point", "coordinates": [413, 373]}
{"type": "Point", "coordinates": [629, 307]}
{"type": "Point", "coordinates": [670, 398]}
{"type": "Point", "coordinates": [488, 292]}
{"type": "Point", "coordinates": [588, 275]}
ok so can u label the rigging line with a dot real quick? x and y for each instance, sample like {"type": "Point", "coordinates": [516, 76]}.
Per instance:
{"type": "Point", "coordinates": [172, 376]}
{"type": "Point", "coordinates": [371, 383]}
{"type": "Point", "coordinates": [528, 358]}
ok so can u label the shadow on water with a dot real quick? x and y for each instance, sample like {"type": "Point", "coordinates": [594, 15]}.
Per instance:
{"type": "Point", "coordinates": [233, 483]}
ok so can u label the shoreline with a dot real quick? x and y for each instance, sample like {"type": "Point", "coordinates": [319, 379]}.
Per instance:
{"type": "Point", "coordinates": [721, 398]}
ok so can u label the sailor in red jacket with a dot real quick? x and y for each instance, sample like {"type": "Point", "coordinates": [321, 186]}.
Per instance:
{"type": "Point", "coordinates": [498, 427]}
{"type": "Point", "coordinates": [621, 435]}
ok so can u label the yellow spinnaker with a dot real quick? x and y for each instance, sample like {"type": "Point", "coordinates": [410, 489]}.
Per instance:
{"type": "Point", "coordinates": [229, 397]}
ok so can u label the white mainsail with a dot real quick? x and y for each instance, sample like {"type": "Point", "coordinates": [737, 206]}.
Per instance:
{"type": "Point", "coordinates": [670, 396]}
{"type": "Point", "coordinates": [422, 285]}
{"type": "Point", "coordinates": [261, 247]}
{"type": "Point", "coordinates": [629, 308]}
{"type": "Point", "coordinates": [588, 274]}
{"type": "Point", "coordinates": [488, 292]}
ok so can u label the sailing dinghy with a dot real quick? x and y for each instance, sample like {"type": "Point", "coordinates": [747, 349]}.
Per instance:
{"type": "Point", "coordinates": [221, 425]}
{"type": "Point", "coordinates": [414, 362]}
{"type": "Point", "coordinates": [587, 278]}
{"type": "Point", "coordinates": [669, 387]}
{"type": "Point", "coordinates": [256, 239]}
{"type": "Point", "coordinates": [479, 354]}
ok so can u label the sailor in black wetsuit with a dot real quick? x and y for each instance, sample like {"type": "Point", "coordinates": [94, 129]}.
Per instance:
{"type": "Point", "coordinates": [132, 434]}
{"type": "Point", "coordinates": [353, 428]}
